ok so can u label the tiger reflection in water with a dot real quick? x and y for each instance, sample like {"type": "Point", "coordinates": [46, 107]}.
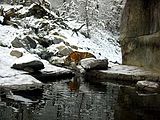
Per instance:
{"type": "Point", "coordinates": [74, 84]}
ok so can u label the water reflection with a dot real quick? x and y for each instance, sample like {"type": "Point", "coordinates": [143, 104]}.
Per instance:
{"type": "Point", "coordinates": [74, 84]}
{"type": "Point", "coordinates": [134, 105]}
{"type": "Point", "coordinates": [85, 102]}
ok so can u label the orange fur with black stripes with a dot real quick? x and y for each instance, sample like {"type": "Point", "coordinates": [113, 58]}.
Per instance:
{"type": "Point", "coordinates": [76, 56]}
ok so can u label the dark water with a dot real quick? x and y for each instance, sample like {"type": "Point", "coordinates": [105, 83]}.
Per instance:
{"type": "Point", "coordinates": [66, 100]}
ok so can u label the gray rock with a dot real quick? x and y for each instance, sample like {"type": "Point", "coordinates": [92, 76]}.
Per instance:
{"type": "Point", "coordinates": [16, 53]}
{"type": "Point", "coordinates": [26, 42]}
{"type": "Point", "coordinates": [74, 47]}
{"type": "Point", "coordinates": [30, 42]}
{"type": "Point", "coordinates": [17, 43]}
{"type": "Point", "coordinates": [58, 39]}
{"type": "Point", "coordinates": [148, 86]}
{"type": "Point", "coordinates": [65, 51]}
{"type": "Point", "coordinates": [94, 64]}
{"type": "Point", "coordinates": [44, 42]}
{"type": "Point", "coordinates": [31, 66]}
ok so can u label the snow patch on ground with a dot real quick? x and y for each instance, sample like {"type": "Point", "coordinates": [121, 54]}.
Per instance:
{"type": "Point", "coordinates": [10, 76]}
{"type": "Point", "coordinates": [27, 58]}
{"type": "Point", "coordinates": [8, 34]}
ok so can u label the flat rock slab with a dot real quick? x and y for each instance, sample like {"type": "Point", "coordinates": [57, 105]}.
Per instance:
{"type": "Point", "coordinates": [124, 73]}
{"type": "Point", "coordinates": [52, 73]}
{"type": "Point", "coordinates": [19, 82]}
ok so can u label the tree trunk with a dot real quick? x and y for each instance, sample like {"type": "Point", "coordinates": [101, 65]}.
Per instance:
{"type": "Point", "coordinates": [87, 19]}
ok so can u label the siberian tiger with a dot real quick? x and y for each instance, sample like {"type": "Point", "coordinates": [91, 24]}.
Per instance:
{"type": "Point", "coordinates": [76, 56]}
{"type": "Point", "coordinates": [74, 85]}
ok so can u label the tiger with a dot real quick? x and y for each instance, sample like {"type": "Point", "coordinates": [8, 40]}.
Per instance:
{"type": "Point", "coordinates": [74, 85]}
{"type": "Point", "coordinates": [77, 56]}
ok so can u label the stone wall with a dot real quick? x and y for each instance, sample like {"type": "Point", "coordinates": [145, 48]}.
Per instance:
{"type": "Point", "coordinates": [140, 33]}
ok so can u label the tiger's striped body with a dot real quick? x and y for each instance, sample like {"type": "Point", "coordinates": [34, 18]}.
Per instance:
{"type": "Point", "coordinates": [76, 56]}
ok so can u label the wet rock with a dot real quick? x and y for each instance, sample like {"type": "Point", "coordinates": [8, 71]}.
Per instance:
{"type": "Point", "coordinates": [31, 66]}
{"type": "Point", "coordinates": [148, 86]}
{"type": "Point", "coordinates": [26, 42]}
{"type": "Point", "coordinates": [94, 64]}
{"type": "Point", "coordinates": [16, 53]}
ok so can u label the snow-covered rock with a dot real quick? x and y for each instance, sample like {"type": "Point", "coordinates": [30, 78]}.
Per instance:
{"type": "Point", "coordinates": [149, 86]}
{"type": "Point", "coordinates": [60, 49]}
{"type": "Point", "coordinates": [94, 64]}
{"type": "Point", "coordinates": [28, 63]}
{"type": "Point", "coordinates": [57, 60]}
{"type": "Point", "coordinates": [51, 72]}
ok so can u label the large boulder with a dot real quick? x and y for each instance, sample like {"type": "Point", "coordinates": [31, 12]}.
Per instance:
{"type": "Point", "coordinates": [140, 33]}
{"type": "Point", "coordinates": [31, 66]}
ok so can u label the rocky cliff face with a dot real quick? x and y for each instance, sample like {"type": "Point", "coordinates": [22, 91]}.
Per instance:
{"type": "Point", "coordinates": [140, 33]}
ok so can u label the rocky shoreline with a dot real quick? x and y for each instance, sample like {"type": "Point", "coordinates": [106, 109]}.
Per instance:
{"type": "Point", "coordinates": [143, 79]}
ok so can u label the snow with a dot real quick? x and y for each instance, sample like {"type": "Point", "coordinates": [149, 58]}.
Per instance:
{"type": "Point", "coordinates": [7, 7]}
{"type": "Point", "coordinates": [27, 58]}
{"type": "Point", "coordinates": [1, 19]}
{"type": "Point", "coordinates": [49, 68]}
{"type": "Point", "coordinates": [7, 34]}
{"type": "Point", "coordinates": [85, 63]}
{"type": "Point", "coordinates": [18, 80]}
{"type": "Point", "coordinates": [98, 44]}
{"type": "Point", "coordinates": [10, 76]}
{"type": "Point", "coordinates": [102, 44]}
{"type": "Point", "coordinates": [148, 84]}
